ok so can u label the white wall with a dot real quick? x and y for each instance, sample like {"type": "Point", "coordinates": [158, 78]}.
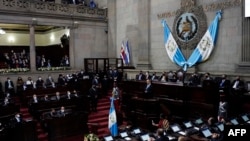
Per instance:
{"type": "Point", "coordinates": [23, 39]}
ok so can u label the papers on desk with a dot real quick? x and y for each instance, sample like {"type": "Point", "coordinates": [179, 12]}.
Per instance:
{"type": "Point", "coordinates": [197, 128]}
{"type": "Point", "coordinates": [171, 137]}
{"type": "Point", "coordinates": [127, 138]}
{"type": "Point", "coordinates": [182, 133]}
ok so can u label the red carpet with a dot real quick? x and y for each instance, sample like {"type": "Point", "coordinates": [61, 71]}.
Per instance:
{"type": "Point", "coordinates": [101, 117]}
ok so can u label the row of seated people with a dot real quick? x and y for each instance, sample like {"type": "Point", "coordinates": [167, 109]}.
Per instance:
{"type": "Point", "coordinates": [188, 130]}
{"type": "Point", "coordinates": [234, 86]}
{"type": "Point", "coordinates": [37, 104]}
{"type": "Point", "coordinates": [48, 82]}
{"type": "Point", "coordinates": [53, 96]}
{"type": "Point", "coordinates": [171, 76]}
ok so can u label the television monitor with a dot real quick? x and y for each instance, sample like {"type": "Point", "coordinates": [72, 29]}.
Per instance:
{"type": "Point", "coordinates": [234, 121]}
{"type": "Point", "coordinates": [175, 128]}
{"type": "Point", "coordinates": [220, 126]}
{"type": "Point", "coordinates": [188, 124]}
{"type": "Point", "coordinates": [137, 131]}
{"type": "Point", "coordinates": [145, 137]}
{"type": "Point", "coordinates": [108, 138]}
{"type": "Point", "coordinates": [206, 133]}
{"type": "Point", "coordinates": [245, 118]}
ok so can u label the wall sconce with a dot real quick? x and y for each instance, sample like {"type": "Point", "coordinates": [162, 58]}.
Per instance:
{"type": "Point", "coordinates": [2, 31]}
{"type": "Point", "coordinates": [11, 39]}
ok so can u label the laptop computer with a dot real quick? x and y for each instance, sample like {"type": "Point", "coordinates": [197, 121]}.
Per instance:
{"type": "Point", "coordinates": [234, 121]}
{"type": "Point", "coordinates": [198, 121]}
{"type": "Point", "coordinates": [108, 138]}
{"type": "Point", "coordinates": [190, 128]}
{"type": "Point", "coordinates": [177, 129]}
{"type": "Point", "coordinates": [137, 131]}
{"type": "Point", "coordinates": [245, 118]}
{"type": "Point", "coordinates": [125, 136]}
{"type": "Point", "coordinates": [187, 124]}
{"type": "Point", "coordinates": [220, 126]}
{"type": "Point", "coordinates": [145, 137]}
{"type": "Point", "coordinates": [206, 132]}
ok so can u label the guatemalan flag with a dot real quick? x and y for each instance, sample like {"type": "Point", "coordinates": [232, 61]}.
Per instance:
{"type": "Point", "coordinates": [204, 48]}
{"type": "Point", "coordinates": [112, 119]}
{"type": "Point", "coordinates": [173, 51]}
{"type": "Point", "coordinates": [125, 53]}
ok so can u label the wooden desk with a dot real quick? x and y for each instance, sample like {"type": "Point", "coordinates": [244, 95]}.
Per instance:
{"type": "Point", "coordinates": [173, 98]}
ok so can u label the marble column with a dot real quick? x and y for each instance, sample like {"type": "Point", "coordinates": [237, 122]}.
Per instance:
{"type": "Point", "coordinates": [111, 31]}
{"type": "Point", "coordinates": [72, 46]}
{"type": "Point", "coordinates": [32, 48]}
{"type": "Point", "coordinates": [144, 32]}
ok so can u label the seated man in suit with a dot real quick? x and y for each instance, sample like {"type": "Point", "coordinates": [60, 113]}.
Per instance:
{"type": "Point", "coordinates": [56, 97]}
{"type": "Point", "coordinates": [237, 86]}
{"type": "Point", "coordinates": [50, 82]}
{"type": "Point", "coordinates": [154, 77]}
{"type": "Point", "coordinates": [75, 94]}
{"type": "Point", "coordinates": [45, 98]}
{"type": "Point", "coordinates": [16, 121]}
{"type": "Point", "coordinates": [34, 99]}
{"type": "Point", "coordinates": [140, 76]}
{"type": "Point", "coordinates": [224, 84]}
{"type": "Point", "coordinates": [40, 83]}
{"type": "Point", "coordinates": [53, 113]}
{"type": "Point", "coordinates": [148, 93]}
{"type": "Point", "coordinates": [63, 112]}
{"type": "Point", "coordinates": [69, 96]}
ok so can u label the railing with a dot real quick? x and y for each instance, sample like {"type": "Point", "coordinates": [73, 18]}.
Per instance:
{"type": "Point", "coordinates": [29, 7]}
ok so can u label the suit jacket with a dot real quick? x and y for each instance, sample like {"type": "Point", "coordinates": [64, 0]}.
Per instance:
{"type": "Point", "coordinates": [48, 82]}
{"type": "Point", "coordinates": [7, 85]}
{"type": "Point", "coordinates": [240, 85]}
{"type": "Point", "coordinates": [148, 91]}
{"type": "Point", "coordinates": [140, 77]}
{"type": "Point", "coordinates": [224, 83]}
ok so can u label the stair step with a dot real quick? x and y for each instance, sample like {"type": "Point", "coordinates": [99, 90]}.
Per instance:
{"type": "Point", "coordinates": [100, 108]}
{"type": "Point", "coordinates": [95, 120]}
{"type": "Point", "coordinates": [103, 103]}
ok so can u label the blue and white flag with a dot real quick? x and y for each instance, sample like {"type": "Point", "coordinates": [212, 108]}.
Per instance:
{"type": "Point", "coordinates": [200, 54]}
{"type": "Point", "coordinates": [173, 51]}
{"type": "Point", "coordinates": [204, 48]}
{"type": "Point", "coordinates": [112, 120]}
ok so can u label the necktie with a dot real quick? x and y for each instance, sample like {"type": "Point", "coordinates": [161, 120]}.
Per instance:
{"type": "Point", "coordinates": [222, 82]}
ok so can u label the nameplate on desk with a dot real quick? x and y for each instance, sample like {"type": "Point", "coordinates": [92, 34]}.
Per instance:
{"type": "Point", "coordinates": [237, 132]}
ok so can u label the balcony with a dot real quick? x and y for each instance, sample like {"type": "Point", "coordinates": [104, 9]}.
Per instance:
{"type": "Point", "coordinates": [51, 10]}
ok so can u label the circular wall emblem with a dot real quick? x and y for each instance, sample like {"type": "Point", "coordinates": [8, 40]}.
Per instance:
{"type": "Point", "coordinates": [186, 27]}
{"type": "Point", "coordinates": [189, 27]}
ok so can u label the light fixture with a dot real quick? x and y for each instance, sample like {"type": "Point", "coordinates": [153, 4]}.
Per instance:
{"type": "Point", "coordinates": [2, 31]}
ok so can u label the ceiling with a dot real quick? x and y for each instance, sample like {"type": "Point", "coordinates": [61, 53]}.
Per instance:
{"type": "Point", "coordinates": [25, 28]}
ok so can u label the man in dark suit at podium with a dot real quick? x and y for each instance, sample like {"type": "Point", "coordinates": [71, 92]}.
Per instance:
{"type": "Point", "coordinates": [148, 93]}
